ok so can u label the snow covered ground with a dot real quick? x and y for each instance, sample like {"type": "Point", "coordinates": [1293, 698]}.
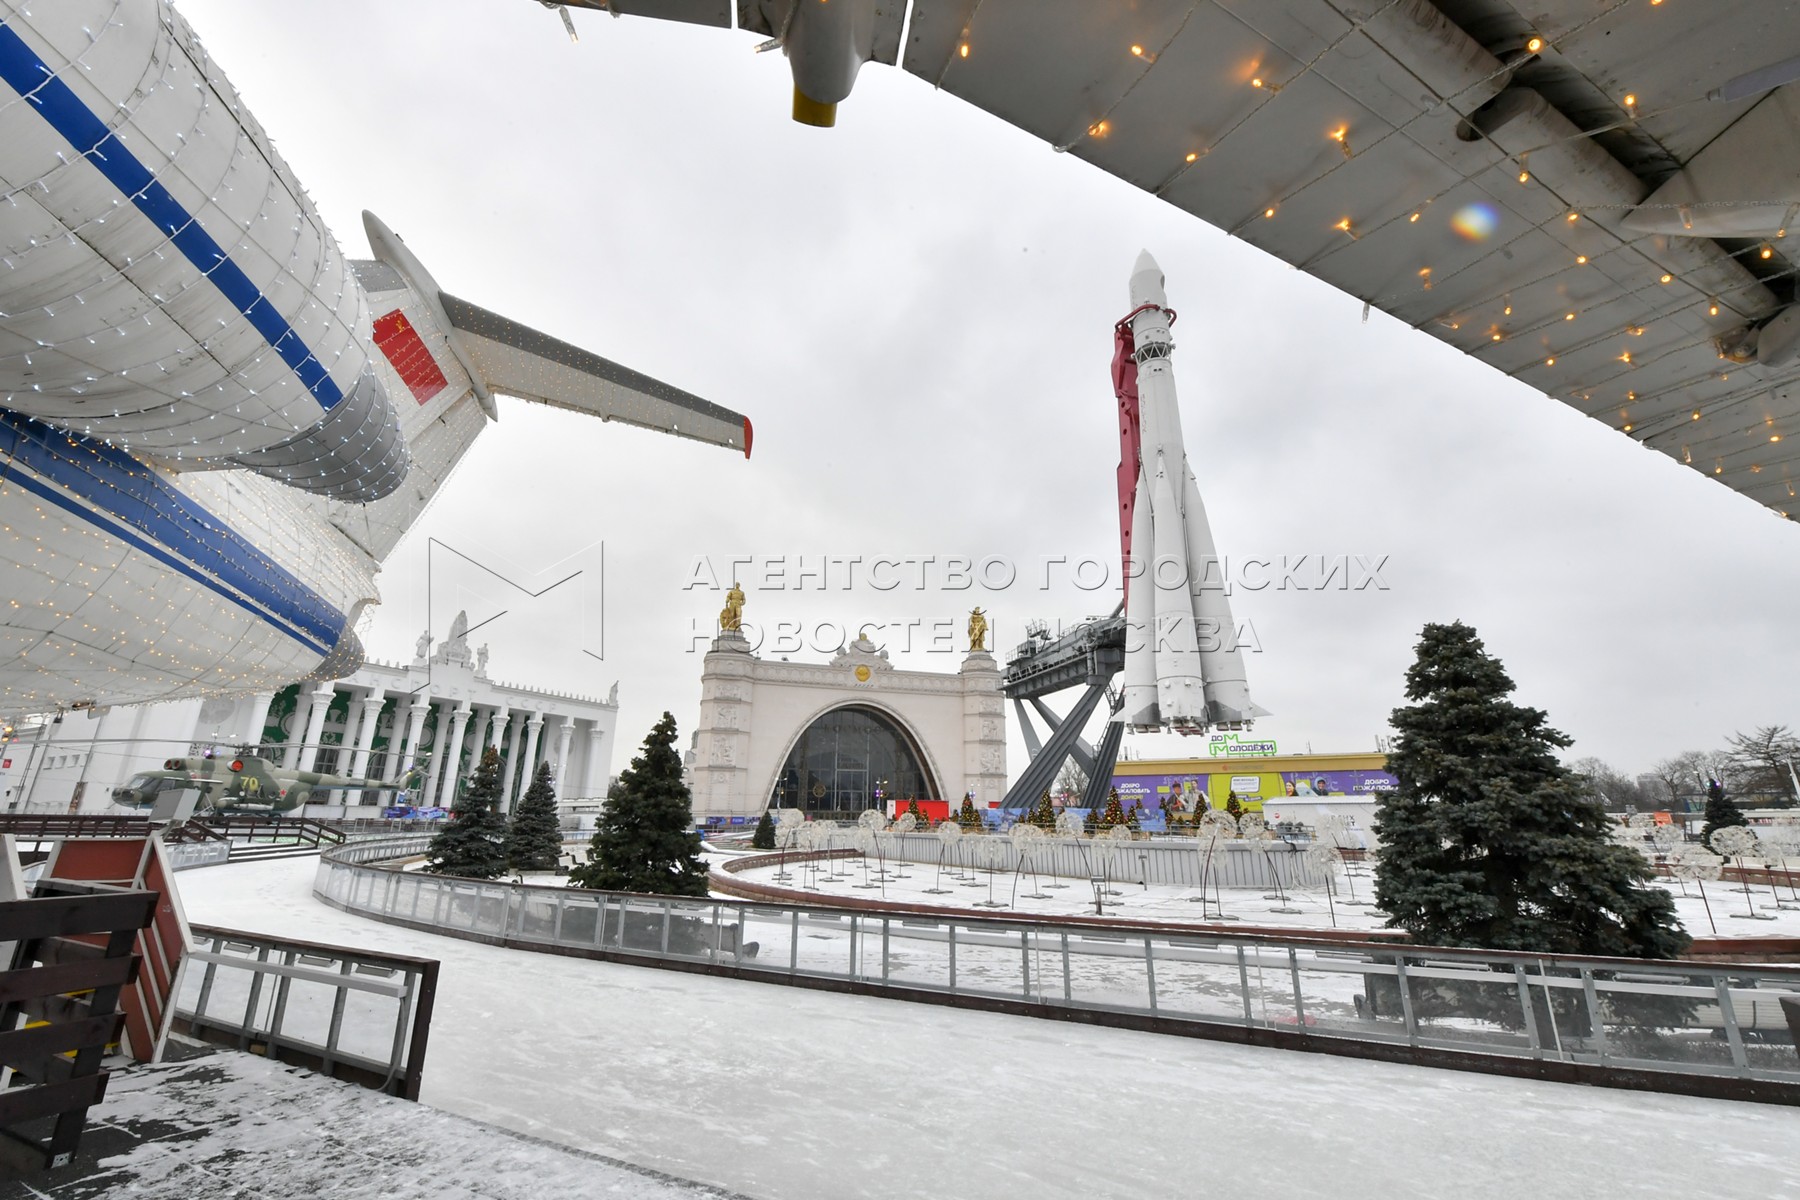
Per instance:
{"type": "Point", "coordinates": [1134, 902]}
{"type": "Point", "coordinates": [785, 1093]}
{"type": "Point", "coordinates": [236, 1127]}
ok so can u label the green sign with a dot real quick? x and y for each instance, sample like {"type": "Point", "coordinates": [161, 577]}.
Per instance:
{"type": "Point", "coordinates": [1228, 745]}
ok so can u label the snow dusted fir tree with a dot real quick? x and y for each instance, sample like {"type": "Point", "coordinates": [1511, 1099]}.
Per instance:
{"type": "Point", "coordinates": [645, 840]}
{"type": "Point", "coordinates": [534, 840]}
{"type": "Point", "coordinates": [764, 837]}
{"type": "Point", "coordinates": [1489, 841]}
{"type": "Point", "coordinates": [1722, 811]}
{"type": "Point", "coordinates": [470, 842]}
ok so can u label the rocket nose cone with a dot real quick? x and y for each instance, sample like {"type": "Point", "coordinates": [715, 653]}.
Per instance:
{"type": "Point", "coordinates": [1147, 282]}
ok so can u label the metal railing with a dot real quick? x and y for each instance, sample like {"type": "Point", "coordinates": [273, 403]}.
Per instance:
{"type": "Point", "coordinates": [351, 1014]}
{"type": "Point", "coordinates": [1676, 1025]}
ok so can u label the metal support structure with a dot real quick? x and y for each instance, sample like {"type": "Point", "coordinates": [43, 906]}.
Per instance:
{"type": "Point", "coordinates": [1105, 755]}
{"type": "Point", "coordinates": [1081, 752]}
{"type": "Point", "coordinates": [1041, 771]}
{"type": "Point", "coordinates": [1091, 655]}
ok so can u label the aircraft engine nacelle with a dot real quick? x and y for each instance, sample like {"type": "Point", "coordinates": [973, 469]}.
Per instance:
{"type": "Point", "coordinates": [169, 287]}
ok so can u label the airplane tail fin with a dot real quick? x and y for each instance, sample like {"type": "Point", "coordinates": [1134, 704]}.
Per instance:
{"type": "Point", "coordinates": [445, 359]}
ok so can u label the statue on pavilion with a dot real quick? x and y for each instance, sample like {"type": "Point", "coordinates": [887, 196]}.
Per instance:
{"type": "Point", "coordinates": [731, 618]}
{"type": "Point", "coordinates": [978, 631]}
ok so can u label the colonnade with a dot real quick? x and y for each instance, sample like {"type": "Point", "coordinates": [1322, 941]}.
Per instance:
{"type": "Point", "coordinates": [461, 726]}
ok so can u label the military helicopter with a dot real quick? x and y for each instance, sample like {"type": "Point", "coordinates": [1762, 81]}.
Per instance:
{"type": "Point", "coordinates": [243, 782]}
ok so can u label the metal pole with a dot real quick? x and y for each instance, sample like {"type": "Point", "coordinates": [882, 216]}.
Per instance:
{"type": "Point", "coordinates": [1595, 1025]}
{"type": "Point", "coordinates": [1531, 1029]}
{"type": "Point", "coordinates": [1406, 1005]}
{"type": "Point", "coordinates": [1150, 973]}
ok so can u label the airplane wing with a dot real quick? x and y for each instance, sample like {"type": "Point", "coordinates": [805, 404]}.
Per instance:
{"type": "Point", "coordinates": [1594, 200]}
{"type": "Point", "coordinates": [516, 360]}
{"type": "Point", "coordinates": [716, 13]}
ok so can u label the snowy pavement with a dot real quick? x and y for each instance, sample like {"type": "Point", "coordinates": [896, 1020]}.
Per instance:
{"type": "Point", "coordinates": [788, 1094]}
{"type": "Point", "coordinates": [232, 1125]}
{"type": "Point", "coordinates": [1347, 908]}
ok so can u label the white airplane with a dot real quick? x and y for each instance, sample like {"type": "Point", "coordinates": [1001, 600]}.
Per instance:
{"type": "Point", "coordinates": [213, 426]}
{"type": "Point", "coordinates": [1594, 198]}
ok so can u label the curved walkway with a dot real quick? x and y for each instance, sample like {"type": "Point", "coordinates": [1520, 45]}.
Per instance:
{"type": "Point", "coordinates": [796, 1095]}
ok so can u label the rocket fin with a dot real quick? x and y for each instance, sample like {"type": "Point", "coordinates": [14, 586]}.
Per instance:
{"type": "Point", "coordinates": [1227, 687]}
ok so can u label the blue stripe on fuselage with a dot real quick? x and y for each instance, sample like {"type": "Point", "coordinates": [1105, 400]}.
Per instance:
{"type": "Point", "coordinates": [135, 503]}
{"type": "Point", "coordinates": [32, 78]}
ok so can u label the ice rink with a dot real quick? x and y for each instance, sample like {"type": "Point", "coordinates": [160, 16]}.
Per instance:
{"type": "Point", "coordinates": [1719, 912]}
{"type": "Point", "coordinates": [781, 1092]}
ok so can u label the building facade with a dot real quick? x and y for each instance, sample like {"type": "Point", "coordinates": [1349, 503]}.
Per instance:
{"type": "Point", "coordinates": [842, 736]}
{"type": "Point", "coordinates": [438, 712]}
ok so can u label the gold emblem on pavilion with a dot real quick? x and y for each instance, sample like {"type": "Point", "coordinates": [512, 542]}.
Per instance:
{"type": "Point", "coordinates": [862, 672]}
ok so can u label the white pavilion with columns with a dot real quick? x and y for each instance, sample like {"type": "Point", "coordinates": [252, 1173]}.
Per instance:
{"type": "Point", "coordinates": [377, 722]}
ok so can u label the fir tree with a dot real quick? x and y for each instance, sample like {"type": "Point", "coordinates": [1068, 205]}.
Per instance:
{"type": "Point", "coordinates": [645, 840]}
{"type": "Point", "coordinates": [1233, 806]}
{"type": "Point", "coordinates": [1043, 813]}
{"type": "Point", "coordinates": [764, 837]}
{"type": "Point", "coordinates": [920, 820]}
{"type": "Point", "coordinates": [1490, 841]}
{"type": "Point", "coordinates": [1115, 812]}
{"type": "Point", "coordinates": [966, 816]}
{"type": "Point", "coordinates": [534, 840]}
{"type": "Point", "coordinates": [470, 842]}
{"type": "Point", "coordinates": [1721, 811]}
{"type": "Point", "coordinates": [1131, 818]}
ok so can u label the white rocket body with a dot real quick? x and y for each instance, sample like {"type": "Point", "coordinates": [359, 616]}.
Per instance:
{"type": "Point", "coordinates": [1183, 669]}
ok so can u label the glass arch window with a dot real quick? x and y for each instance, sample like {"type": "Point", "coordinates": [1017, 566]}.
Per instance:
{"type": "Point", "coordinates": [844, 756]}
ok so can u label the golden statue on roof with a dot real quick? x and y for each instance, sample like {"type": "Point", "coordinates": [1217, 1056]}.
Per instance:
{"type": "Point", "coordinates": [731, 617]}
{"type": "Point", "coordinates": [978, 631]}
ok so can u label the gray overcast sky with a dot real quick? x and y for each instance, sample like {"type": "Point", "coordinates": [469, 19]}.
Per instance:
{"type": "Point", "coordinates": [915, 309]}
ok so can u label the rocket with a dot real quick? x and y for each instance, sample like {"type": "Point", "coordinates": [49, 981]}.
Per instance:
{"type": "Point", "coordinates": [1183, 669]}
